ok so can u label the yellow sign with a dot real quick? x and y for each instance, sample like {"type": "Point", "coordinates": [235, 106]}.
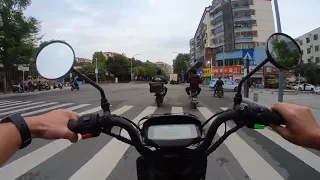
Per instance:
{"type": "Point", "coordinates": [206, 72]}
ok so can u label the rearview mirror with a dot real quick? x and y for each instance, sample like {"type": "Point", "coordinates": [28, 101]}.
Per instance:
{"type": "Point", "coordinates": [283, 51]}
{"type": "Point", "coordinates": [55, 60]}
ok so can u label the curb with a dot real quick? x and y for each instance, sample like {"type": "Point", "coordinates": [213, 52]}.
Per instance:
{"type": "Point", "coordinates": [31, 93]}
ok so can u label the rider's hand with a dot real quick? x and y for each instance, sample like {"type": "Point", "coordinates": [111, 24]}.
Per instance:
{"type": "Point", "coordinates": [301, 127]}
{"type": "Point", "coordinates": [53, 125]}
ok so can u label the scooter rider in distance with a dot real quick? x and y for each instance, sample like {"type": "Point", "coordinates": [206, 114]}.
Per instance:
{"type": "Point", "coordinates": [160, 78]}
{"type": "Point", "coordinates": [194, 81]}
{"type": "Point", "coordinates": [218, 86]}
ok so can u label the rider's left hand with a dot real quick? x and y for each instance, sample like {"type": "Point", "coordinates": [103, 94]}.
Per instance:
{"type": "Point", "coordinates": [53, 125]}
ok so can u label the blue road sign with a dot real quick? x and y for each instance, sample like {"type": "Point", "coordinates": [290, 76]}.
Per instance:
{"type": "Point", "coordinates": [248, 54]}
{"type": "Point", "coordinates": [200, 71]}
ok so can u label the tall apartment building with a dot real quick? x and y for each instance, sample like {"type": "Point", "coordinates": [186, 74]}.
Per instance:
{"type": "Point", "coordinates": [166, 67]}
{"type": "Point", "coordinates": [201, 38]}
{"type": "Point", "coordinates": [240, 24]}
{"type": "Point", "coordinates": [309, 44]}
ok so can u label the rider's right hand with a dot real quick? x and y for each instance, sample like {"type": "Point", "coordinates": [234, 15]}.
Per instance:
{"type": "Point", "coordinates": [301, 126]}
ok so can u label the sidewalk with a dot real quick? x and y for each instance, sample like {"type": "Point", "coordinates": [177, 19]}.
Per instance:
{"type": "Point", "coordinates": [310, 100]}
{"type": "Point", "coordinates": [10, 94]}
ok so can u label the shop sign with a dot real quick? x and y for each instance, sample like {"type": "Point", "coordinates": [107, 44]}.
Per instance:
{"type": "Point", "coordinates": [227, 70]}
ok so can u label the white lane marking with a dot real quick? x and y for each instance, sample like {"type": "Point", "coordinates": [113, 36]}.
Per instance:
{"type": "Point", "coordinates": [3, 101]}
{"type": "Point", "coordinates": [252, 163]}
{"type": "Point", "coordinates": [15, 103]}
{"type": "Point", "coordinates": [32, 107]}
{"type": "Point", "coordinates": [101, 165]}
{"type": "Point", "coordinates": [176, 110]}
{"type": "Point", "coordinates": [78, 107]}
{"type": "Point", "coordinates": [8, 102]}
{"type": "Point", "coordinates": [22, 165]}
{"type": "Point", "coordinates": [20, 106]}
{"type": "Point", "coordinates": [46, 109]}
{"type": "Point", "coordinates": [304, 155]}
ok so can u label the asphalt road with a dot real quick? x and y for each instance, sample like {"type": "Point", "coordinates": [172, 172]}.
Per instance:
{"type": "Point", "coordinates": [247, 154]}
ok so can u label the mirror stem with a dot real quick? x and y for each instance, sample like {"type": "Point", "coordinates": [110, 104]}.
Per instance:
{"type": "Point", "coordinates": [238, 97]}
{"type": "Point", "coordinates": [104, 102]}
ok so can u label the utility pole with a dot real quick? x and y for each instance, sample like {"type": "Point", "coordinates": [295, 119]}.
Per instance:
{"type": "Point", "coordinates": [96, 71]}
{"type": "Point", "coordinates": [131, 66]}
{"type": "Point", "coordinates": [223, 63]}
{"type": "Point", "coordinates": [281, 73]}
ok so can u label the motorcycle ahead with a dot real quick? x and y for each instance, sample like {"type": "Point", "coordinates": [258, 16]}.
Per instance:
{"type": "Point", "coordinates": [172, 146]}
{"type": "Point", "coordinates": [73, 86]}
{"type": "Point", "coordinates": [157, 88]}
{"type": "Point", "coordinates": [193, 99]}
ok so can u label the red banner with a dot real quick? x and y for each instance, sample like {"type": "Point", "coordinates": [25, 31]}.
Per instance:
{"type": "Point", "coordinates": [228, 70]}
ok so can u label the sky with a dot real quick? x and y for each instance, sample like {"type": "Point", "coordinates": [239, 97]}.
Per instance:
{"type": "Point", "coordinates": [153, 28]}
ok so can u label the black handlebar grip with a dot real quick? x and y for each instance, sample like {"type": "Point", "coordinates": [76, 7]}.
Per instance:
{"type": "Point", "coordinates": [73, 125]}
{"type": "Point", "coordinates": [276, 118]}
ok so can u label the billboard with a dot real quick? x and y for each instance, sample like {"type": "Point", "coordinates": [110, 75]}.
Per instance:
{"type": "Point", "coordinates": [228, 70]}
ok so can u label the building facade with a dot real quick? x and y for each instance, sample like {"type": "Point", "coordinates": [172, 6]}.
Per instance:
{"type": "Point", "coordinates": [109, 54]}
{"type": "Point", "coordinates": [237, 29]}
{"type": "Point", "coordinates": [240, 24]}
{"type": "Point", "coordinates": [168, 69]}
{"type": "Point", "coordinates": [309, 44]}
{"type": "Point", "coordinates": [83, 60]}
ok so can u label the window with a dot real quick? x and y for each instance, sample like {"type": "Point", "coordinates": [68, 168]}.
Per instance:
{"type": "Point", "coordinates": [308, 50]}
{"type": "Point", "coordinates": [316, 48]}
{"type": "Point", "coordinates": [301, 42]}
{"type": "Point", "coordinates": [317, 59]}
{"type": "Point", "coordinates": [315, 37]}
{"type": "Point", "coordinates": [308, 40]}
{"type": "Point", "coordinates": [302, 52]}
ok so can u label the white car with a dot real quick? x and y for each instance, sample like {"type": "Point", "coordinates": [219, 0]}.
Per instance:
{"type": "Point", "coordinates": [317, 90]}
{"type": "Point", "coordinates": [228, 84]}
{"type": "Point", "coordinates": [309, 87]}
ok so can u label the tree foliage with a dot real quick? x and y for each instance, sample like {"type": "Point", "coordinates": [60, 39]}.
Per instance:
{"type": "Point", "coordinates": [284, 52]}
{"type": "Point", "coordinates": [309, 70]}
{"type": "Point", "coordinates": [18, 34]}
{"type": "Point", "coordinates": [181, 63]}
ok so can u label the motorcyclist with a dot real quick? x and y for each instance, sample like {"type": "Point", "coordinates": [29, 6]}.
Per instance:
{"type": "Point", "coordinates": [75, 82]}
{"type": "Point", "coordinates": [218, 86]}
{"type": "Point", "coordinates": [194, 81]}
{"type": "Point", "coordinates": [160, 78]}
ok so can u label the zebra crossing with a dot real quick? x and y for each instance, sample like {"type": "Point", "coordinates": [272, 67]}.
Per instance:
{"type": "Point", "coordinates": [247, 154]}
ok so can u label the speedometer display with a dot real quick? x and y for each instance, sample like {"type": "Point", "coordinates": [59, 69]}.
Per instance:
{"type": "Point", "coordinates": [172, 132]}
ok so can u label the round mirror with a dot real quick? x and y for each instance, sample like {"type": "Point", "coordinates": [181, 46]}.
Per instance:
{"type": "Point", "coordinates": [55, 60]}
{"type": "Point", "coordinates": [284, 51]}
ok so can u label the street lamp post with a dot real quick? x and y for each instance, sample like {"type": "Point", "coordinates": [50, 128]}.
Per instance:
{"type": "Point", "coordinates": [131, 66]}
{"type": "Point", "coordinates": [96, 71]}
{"type": "Point", "coordinates": [281, 73]}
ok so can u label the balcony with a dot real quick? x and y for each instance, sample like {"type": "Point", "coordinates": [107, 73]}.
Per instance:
{"type": "Point", "coordinates": [241, 8]}
{"type": "Point", "coordinates": [243, 39]}
{"type": "Point", "coordinates": [247, 28]}
{"type": "Point", "coordinates": [219, 44]}
{"type": "Point", "coordinates": [219, 34]}
{"type": "Point", "coordinates": [217, 25]}
{"type": "Point", "coordinates": [242, 18]}
{"type": "Point", "coordinates": [216, 15]}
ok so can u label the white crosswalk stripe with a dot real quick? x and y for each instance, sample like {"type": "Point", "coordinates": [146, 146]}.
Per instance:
{"type": "Point", "coordinates": [105, 161]}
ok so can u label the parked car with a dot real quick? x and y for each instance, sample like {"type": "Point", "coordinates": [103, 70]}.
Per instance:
{"type": "Point", "coordinates": [309, 87]}
{"type": "Point", "coordinates": [228, 84]}
{"type": "Point", "coordinates": [317, 90]}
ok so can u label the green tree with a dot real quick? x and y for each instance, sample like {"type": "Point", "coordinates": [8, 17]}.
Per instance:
{"type": "Point", "coordinates": [18, 35]}
{"type": "Point", "coordinates": [285, 53]}
{"type": "Point", "coordinates": [118, 66]}
{"type": "Point", "coordinates": [180, 63]}
{"type": "Point", "coordinates": [151, 69]}
{"type": "Point", "coordinates": [309, 70]}
{"type": "Point", "coordinates": [139, 71]}
{"type": "Point", "coordinates": [102, 64]}
{"type": "Point", "coordinates": [88, 70]}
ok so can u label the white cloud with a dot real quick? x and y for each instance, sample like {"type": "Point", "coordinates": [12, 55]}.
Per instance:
{"type": "Point", "coordinates": [153, 28]}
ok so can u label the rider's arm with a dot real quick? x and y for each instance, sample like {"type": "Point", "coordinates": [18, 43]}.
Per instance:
{"type": "Point", "coordinates": [51, 125]}
{"type": "Point", "coordinates": [301, 127]}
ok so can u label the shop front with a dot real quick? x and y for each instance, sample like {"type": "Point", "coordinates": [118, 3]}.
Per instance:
{"type": "Point", "coordinates": [271, 76]}
{"type": "Point", "coordinates": [231, 72]}
{"type": "Point", "coordinates": [257, 77]}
